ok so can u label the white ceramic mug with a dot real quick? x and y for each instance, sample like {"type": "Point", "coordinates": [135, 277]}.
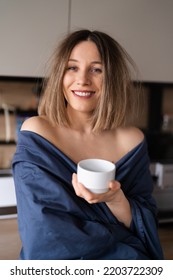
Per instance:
{"type": "Point", "coordinates": [95, 174]}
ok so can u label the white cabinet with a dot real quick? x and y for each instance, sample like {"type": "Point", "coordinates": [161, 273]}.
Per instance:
{"type": "Point", "coordinates": [29, 30]}
{"type": "Point", "coordinates": [7, 192]}
{"type": "Point", "coordinates": [143, 27]}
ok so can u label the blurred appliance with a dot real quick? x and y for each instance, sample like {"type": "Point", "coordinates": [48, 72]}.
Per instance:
{"type": "Point", "coordinates": [167, 124]}
{"type": "Point", "coordinates": [164, 174]}
{"type": "Point", "coordinates": [163, 190]}
{"type": "Point", "coordinates": [160, 148]}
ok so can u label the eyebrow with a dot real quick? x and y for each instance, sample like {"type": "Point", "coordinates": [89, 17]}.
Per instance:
{"type": "Point", "coordinates": [93, 62]}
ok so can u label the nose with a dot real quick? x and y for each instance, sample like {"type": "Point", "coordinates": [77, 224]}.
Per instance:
{"type": "Point", "coordinates": [83, 78]}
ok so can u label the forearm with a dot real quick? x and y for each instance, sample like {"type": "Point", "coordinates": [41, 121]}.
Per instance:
{"type": "Point", "coordinates": [121, 210]}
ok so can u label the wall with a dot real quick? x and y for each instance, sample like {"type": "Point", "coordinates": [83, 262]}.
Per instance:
{"type": "Point", "coordinates": [29, 30]}
{"type": "Point", "coordinates": [143, 27]}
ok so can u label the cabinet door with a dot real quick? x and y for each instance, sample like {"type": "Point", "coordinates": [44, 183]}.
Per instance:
{"type": "Point", "coordinates": [7, 192]}
{"type": "Point", "coordinates": [29, 30]}
{"type": "Point", "coordinates": [143, 27]}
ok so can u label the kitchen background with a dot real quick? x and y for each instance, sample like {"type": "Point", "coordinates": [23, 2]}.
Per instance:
{"type": "Point", "coordinates": [29, 30]}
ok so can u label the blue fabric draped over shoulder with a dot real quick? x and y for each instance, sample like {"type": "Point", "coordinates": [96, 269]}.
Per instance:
{"type": "Point", "coordinates": [56, 224]}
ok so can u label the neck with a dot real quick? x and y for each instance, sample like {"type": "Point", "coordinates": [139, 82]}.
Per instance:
{"type": "Point", "coordinates": [80, 121]}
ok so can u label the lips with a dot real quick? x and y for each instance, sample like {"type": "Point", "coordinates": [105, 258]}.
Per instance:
{"type": "Point", "coordinates": [83, 93]}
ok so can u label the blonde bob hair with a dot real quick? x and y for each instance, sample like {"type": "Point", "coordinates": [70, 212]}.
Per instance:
{"type": "Point", "coordinates": [118, 100]}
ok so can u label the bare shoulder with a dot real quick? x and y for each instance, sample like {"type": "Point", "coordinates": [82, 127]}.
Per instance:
{"type": "Point", "coordinates": [129, 137]}
{"type": "Point", "coordinates": [36, 124]}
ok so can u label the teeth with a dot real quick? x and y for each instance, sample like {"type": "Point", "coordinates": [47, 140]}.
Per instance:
{"type": "Point", "coordinates": [81, 93]}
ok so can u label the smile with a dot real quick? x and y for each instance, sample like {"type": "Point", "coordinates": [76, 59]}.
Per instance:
{"type": "Point", "coordinates": [83, 93]}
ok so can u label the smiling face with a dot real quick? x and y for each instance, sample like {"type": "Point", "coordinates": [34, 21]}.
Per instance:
{"type": "Point", "coordinates": [82, 83]}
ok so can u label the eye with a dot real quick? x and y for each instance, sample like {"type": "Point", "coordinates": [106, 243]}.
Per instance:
{"type": "Point", "coordinates": [96, 70]}
{"type": "Point", "coordinates": [71, 68]}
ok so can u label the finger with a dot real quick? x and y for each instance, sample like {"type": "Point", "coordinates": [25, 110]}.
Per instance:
{"type": "Point", "coordinates": [79, 188]}
{"type": "Point", "coordinates": [85, 193]}
{"type": "Point", "coordinates": [90, 197]}
{"type": "Point", "coordinates": [74, 178]}
{"type": "Point", "coordinates": [114, 185]}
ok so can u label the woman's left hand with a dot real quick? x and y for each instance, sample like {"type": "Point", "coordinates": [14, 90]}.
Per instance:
{"type": "Point", "coordinates": [114, 198]}
{"type": "Point", "coordinates": [113, 194]}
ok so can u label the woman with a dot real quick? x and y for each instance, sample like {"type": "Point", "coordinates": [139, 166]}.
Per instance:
{"type": "Point", "coordinates": [84, 113]}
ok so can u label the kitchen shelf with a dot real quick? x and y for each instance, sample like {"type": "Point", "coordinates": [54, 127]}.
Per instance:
{"type": "Point", "coordinates": [5, 172]}
{"type": "Point", "coordinates": [3, 142]}
{"type": "Point", "coordinates": [8, 210]}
